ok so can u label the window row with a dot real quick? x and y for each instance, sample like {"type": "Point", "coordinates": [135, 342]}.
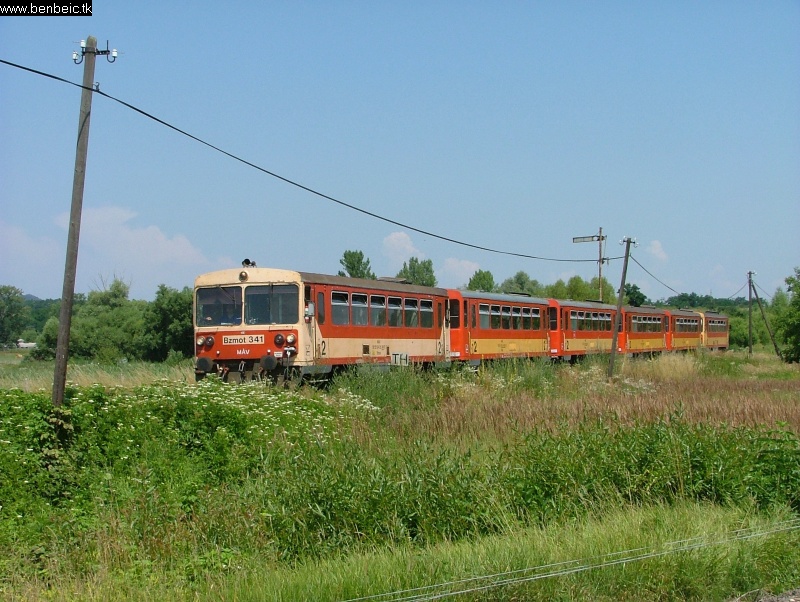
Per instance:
{"type": "Point", "coordinates": [717, 326]}
{"type": "Point", "coordinates": [590, 320]}
{"type": "Point", "coordinates": [687, 325]}
{"type": "Point", "coordinates": [361, 309]}
{"type": "Point", "coordinates": [509, 318]}
{"type": "Point", "coordinates": [647, 324]}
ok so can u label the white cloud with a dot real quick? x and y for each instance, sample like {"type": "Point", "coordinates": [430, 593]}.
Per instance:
{"type": "Point", "coordinates": [106, 230]}
{"type": "Point", "coordinates": [456, 272]}
{"type": "Point", "coordinates": [398, 248]}
{"type": "Point", "coordinates": [657, 250]}
{"type": "Point", "coordinates": [110, 246]}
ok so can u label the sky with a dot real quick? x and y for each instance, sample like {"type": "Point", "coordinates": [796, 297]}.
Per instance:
{"type": "Point", "coordinates": [471, 134]}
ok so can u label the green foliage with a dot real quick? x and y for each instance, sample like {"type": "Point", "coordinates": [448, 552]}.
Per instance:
{"type": "Point", "coordinates": [557, 290]}
{"type": "Point", "coordinates": [168, 325]}
{"type": "Point", "coordinates": [418, 271]}
{"type": "Point", "coordinates": [108, 327]}
{"type": "Point", "coordinates": [164, 474]}
{"type": "Point", "coordinates": [523, 284]}
{"type": "Point", "coordinates": [635, 297]}
{"type": "Point", "coordinates": [789, 320]}
{"type": "Point", "coordinates": [356, 265]}
{"type": "Point", "coordinates": [14, 314]}
{"type": "Point", "coordinates": [44, 309]}
{"type": "Point", "coordinates": [482, 280]}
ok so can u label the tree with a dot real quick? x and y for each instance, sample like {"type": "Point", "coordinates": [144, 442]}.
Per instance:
{"type": "Point", "coordinates": [522, 283]}
{"type": "Point", "coordinates": [168, 324]}
{"type": "Point", "coordinates": [789, 320]}
{"type": "Point", "coordinates": [14, 314]}
{"type": "Point", "coordinates": [609, 294]}
{"type": "Point", "coordinates": [579, 290]}
{"type": "Point", "coordinates": [418, 272]}
{"type": "Point", "coordinates": [635, 297]}
{"type": "Point", "coordinates": [557, 290]}
{"type": "Point", "coordinates": [482, 280]}
{"type": "Point", "coordinates": [356, 265]}
{"type": "Point", "coordinates": [108, 327]}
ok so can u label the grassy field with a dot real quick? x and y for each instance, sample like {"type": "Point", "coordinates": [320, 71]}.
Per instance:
{"type": "Point", "coordinates": [678, 479]}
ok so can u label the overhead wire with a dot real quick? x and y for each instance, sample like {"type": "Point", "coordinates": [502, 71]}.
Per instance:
{"type": "Point", "coordinates": [653, 277]}
{"type": "Point", "coordinates": [559, 569]}
{"type": "Point", "coordinates": [321, 194]}
{"type": "Point", "coordinates": [293, 182]}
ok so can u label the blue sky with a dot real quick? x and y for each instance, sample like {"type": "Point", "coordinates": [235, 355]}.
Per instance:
{"type": "Point", "coordinates": [514, 126]}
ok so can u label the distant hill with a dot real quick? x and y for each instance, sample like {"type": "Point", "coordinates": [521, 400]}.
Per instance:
{"type": "Point", "coordinates": [28, 297]}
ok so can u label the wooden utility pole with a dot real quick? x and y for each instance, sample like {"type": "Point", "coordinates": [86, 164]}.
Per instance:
{"type": "Point", "coordinates": [766, 322]}
{"type": "Point", "coordinates": [618, 318]}
{"type": "Point", "coordinates": [750, 313]}
{"type": "Point", "coordinates": [68, 292]}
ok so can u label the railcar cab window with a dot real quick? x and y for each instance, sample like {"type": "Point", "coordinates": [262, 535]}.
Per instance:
{"type": "Point", "coordinates": [218, 306]}
{"type": "Point", "coordinates": [272, 304]}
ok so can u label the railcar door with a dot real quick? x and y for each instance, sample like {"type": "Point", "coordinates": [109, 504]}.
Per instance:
{"type": "Point", "coordinates": [310, 324]}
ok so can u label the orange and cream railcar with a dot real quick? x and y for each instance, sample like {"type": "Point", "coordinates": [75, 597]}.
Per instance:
{"type": "Point", "coordinates": [685, 330]}
{"type": "Point", "coordinates": [270, 323]}
{"type": "Point", "coordinates": [579, 328]}
{"type": "Point", "coordinates": [644, 330]}
{"type": "Point", "coordinates": [715, 330]}
{"type": "Point", "coordinates": [485, 326]}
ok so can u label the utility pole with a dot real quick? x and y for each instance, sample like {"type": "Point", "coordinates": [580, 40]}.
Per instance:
{"type": "Point", "coordinates": [618, 318]}
{"type": "Point", "coordinates": [766, 322]}
{"type": "Point", "coordinates": [599, 238]}
{"type": "Point", "coordinates": [750, 313]}
{"type": "Point", "coordinates": [88, 54]}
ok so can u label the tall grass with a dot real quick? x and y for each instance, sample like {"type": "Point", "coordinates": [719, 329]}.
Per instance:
{"type": "Point", "coordinates": [184, 486]}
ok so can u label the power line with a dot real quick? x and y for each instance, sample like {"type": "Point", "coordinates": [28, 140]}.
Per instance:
{"type": "Point", "coordinates": [293, 182]}
{"type": "Point", "coordinates": [559, 569]}
{"type": "Point", "coordinates": [653, 277]}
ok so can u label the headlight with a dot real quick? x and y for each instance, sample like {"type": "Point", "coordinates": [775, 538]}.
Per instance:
{"type": "Point", "coordinates": [209, 341]}
{"type": "Point", "coordinates": [279, 340]}
{"type": "Point", "coordinates": [200, 341]}
{"type": "Point", "coordinates": [291, 339]}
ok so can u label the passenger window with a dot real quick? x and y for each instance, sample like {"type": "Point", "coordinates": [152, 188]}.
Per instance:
{"type": "Point", "coordinates": [359, 302]}
{"type": "Point", "coordinates": [340, 308]}
{"type": "Point", "coordinates": [377, 310]}
{"type": "Point", "coordinates": [395, 311]}
{"type": "Point", "coordinates": [321, 308]}
{"type": "Point", "coordinates": [426, 313]}
{"type": "Point", "coordinates": [484, 313]}
{"type": "Point", "coordinates": [411, 315]}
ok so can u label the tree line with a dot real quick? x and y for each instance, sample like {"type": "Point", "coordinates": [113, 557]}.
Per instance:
{"type": "Point", "coordinates": [107, 326]}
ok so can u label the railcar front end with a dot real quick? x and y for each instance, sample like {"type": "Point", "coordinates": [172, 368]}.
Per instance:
{"type": "Point", "coordinates": [251, 323]}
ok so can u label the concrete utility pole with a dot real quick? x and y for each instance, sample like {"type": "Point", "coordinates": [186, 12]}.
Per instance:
{"type": "Point", "coordinates": [88, 54]}
{"type": "Point", "coordinates": [618, 318]}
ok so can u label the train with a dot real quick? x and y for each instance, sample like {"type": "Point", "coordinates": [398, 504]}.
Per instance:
{"type": "Point", "coordinates": [258, 323]}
